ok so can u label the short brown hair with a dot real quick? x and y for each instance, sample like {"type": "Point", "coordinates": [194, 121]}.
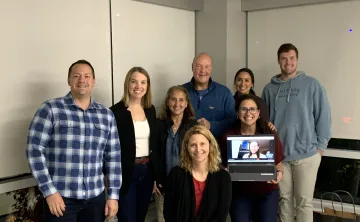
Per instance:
{"type": "Point", "coordinates": [189, 110]}
{"type": "Point", "coordinates": [84, 62]}
{"type": "Point", "coordinates": [214, 158]}
{"type": "Point", "coordinates": [146, 100]}
{"type": "Point", "coordinates": [286, 48]}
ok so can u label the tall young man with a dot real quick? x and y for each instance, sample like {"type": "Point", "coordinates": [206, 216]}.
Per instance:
{"type": "Point", "coordinates": [300, 111]}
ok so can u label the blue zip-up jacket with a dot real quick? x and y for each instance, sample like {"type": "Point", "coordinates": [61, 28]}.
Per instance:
{"type": "Point", "coordinates": [217, 106]}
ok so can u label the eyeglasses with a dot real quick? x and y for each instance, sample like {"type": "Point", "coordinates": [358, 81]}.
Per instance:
{"type": "Point", "coordinates": [252, 110]}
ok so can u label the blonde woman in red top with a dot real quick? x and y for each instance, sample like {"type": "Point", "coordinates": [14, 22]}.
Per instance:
{"type": "Point", "coordinates": [198, 190]}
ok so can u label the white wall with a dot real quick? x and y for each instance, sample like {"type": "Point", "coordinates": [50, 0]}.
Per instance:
{"type": "Point", "coordinates": [327, 51]}
{"type": "Point", "coordinates": [40, 40]}
{"type": "Point", "coordinates": [211, 36]}
{"type": "Point", "coordinates": [191, 5]}
{"type": "Point", "coordinates": [251, 5]}
{"type": "Point", "coordinates": [235, 42]}
{"type": "Point", "coordinates": [6, 203]}
{"type": "Point", "coordinates": [221, 31]}
{"type": "Point", "coordinates": [158, 38]}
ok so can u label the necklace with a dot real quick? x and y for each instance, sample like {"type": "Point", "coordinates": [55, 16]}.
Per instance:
{"type": "Point", "coordinates": [175, 126]}
{"type": "Point", "coordinates": [177, 123]}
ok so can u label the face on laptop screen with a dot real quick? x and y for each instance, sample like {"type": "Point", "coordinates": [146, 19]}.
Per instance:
{"type": "Point", "coordinates": [250, 148]}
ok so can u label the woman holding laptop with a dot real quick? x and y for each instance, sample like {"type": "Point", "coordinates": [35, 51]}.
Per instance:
{"type": "Point", "coordinates": [253, 201]}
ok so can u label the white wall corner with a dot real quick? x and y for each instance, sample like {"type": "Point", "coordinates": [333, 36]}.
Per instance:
{"type": "Point", "coordinates": [210, 35]}
{"type": "Point", "coordinates": [221, 32]}
{"type": "Point", "coordinates": [235, 41]}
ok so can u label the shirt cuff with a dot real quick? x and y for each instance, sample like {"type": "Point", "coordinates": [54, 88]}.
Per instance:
{"type": "Point", "coordinates": [113, 193]}
{"type": "Point", "coordinates": [48, 189]}
{"type": "Point", "coordinates": [322, 146]}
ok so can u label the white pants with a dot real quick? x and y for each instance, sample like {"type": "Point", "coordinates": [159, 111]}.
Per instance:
{"type": "Point", "coordinates": [298, 183]}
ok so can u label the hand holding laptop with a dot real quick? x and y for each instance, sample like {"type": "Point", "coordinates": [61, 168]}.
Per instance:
{"type": "Point", "coordinates": [279, 175]}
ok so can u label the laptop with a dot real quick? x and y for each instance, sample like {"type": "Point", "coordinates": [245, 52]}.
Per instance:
{"type": "Point", "coordinates": [251, 158]}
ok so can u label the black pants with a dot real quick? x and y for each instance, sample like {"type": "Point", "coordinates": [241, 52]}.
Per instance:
{"type": "Point", "coordinates": [91, 210]}
{"type": "Point", "coordinates": [134, 206]}
{"type": "Point", "coordinates": [255, 208]}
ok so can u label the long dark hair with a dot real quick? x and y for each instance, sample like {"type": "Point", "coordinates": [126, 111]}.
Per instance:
{"type": "Point", "coordinates": [251, 76]}
{"type": "Point", "coordinates": [261, 124]}
{"type": "Point", "coordinates": [257, 152]}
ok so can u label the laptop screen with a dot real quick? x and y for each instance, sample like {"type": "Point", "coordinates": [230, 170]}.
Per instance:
{"type": "Point", "coordinates": [251, 149]}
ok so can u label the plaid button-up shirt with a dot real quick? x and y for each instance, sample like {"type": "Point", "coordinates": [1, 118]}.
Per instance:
{"type": "Point", "coordinates": [68, 146]}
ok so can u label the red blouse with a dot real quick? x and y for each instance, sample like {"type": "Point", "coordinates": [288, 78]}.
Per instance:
{"type": "Point", "coordinates": [199, 188]}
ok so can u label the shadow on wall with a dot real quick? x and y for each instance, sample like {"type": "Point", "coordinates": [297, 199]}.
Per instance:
{"type": "Point", "coordinates": [102, 92]}
{"type": "Point", "coordinates": [14, 134]}
{"type": "Point", "coordinates": [28, 202]}
{"type": "Point", "coordinates": [14, 128]}
{"type": "Point", "coordinates": [159, 86]}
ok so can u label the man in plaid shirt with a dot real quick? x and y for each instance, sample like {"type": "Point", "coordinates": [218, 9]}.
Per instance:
{"type": "Point", "coordinates": [70, 139]}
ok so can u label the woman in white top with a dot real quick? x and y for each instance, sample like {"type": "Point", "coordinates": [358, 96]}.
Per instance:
{"type": "Point", "coordinates": [136, 122]}
{"type": "Point", "coordinates": [254, 152]}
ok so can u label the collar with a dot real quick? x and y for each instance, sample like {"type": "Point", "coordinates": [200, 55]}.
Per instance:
{"type": "Point", "coordinates": [169, 122]}
{"type": "Point", "coordinates": [210, 87]}
{"type": "Point", "coordinates": [69, 101]}
{"type": "Point", "coordinates": [122, 105]}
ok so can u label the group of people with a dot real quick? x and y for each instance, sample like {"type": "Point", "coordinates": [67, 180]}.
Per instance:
{"type": "Point", "coordinates": [92, 162]}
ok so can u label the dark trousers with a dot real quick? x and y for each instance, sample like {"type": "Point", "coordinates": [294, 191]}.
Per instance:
{"type": "Point", "coordinates": [134, 206]}
{"type": "Point", "coordinates": [91, 210]}
{"type": "Point", "coordinates": [255, 208]}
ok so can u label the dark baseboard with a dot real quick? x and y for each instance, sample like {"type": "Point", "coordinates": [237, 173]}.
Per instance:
{"type": "Point", "coordinates": [2, 217]}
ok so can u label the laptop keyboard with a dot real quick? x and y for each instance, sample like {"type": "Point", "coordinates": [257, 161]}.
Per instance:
{"type": "Point", "coordinates": [251, 169]}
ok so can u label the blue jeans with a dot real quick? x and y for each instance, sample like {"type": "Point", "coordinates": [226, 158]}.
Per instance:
{"type": "Point", "coordinates": [255, 208]}
{"type": "Point", "coordinates": [91, 210]}
{"type": "Point", "coordinates": [134, 206]}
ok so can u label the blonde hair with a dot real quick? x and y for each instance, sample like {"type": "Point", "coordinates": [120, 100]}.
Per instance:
{"type": "Point", "coordinates": [146, 100]}
{"type": "Point", "coordinates": [214, 158]}
{"type": "Point", "coordinates": [189, 110]}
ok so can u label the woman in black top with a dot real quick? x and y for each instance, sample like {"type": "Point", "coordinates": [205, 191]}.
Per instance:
{"type": "Point", "coordinates": [198, 190]}
{"type": "Point", "coordinates": [175, 119]}
{"type": "Point", "coordinates": [136, 122]}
